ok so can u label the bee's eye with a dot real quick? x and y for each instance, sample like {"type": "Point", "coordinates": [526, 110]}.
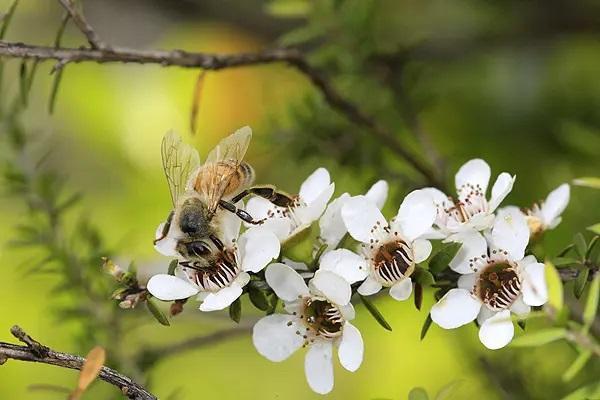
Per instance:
{"type": "Point", "coordinates": [198, 248]}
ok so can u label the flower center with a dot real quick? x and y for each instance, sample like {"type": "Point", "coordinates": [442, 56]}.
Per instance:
{"type": "Point", "coordinates": [498, 285]}
{"type": "Point", "coordinates": [471, 201]}
{"type": "Point", "coordinates": [393, 262]}
{"type": "Point", "coordinates": [324, 318]}
{"type": "Point", "coordinates": [214, 272]}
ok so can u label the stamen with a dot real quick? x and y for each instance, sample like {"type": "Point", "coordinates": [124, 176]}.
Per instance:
{"type": "Point", "coordinates": [322, 318]}
{"type": "Point", "coordinates": [498, 285]}
{"type": "Point", "coordinates": [214, 274]}
{"type": "Point", "coordinates": [393, 262]}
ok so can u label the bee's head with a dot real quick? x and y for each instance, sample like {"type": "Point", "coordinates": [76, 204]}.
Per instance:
{"type": "Point", "coordinates": [194, 218]}
{"type": "Point", "coordinates": [194, 249]}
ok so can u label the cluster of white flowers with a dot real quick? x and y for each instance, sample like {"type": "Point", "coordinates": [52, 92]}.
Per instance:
{"type": "Point", "coordinates": [496, 276]}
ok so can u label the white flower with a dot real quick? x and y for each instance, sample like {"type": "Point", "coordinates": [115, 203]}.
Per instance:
{"type": "Point", "coordinates": [317, 317]}
{"type": "Point", "coordinates": [500, 280]}
{"type": "Point", "coordinates": [546, 215]}
{"type": "Point", "coordinates": [308, 206]}
{"type": "Point", "coordinates": [390, 250]}
{"type": "Point", "coordinates": [331, 225]}
{"type": "Point", "coordinates": [218, 278]}
{"type": "Point", "coordinates": [472, 210]}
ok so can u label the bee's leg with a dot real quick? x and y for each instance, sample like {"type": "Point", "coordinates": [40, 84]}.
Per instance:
{"type": "Point", "coordinates": [268, 192]}
{"type": "Point", "coordinates": [217, 242]}
{"type": "Point", "coordinates": [243, 215]}
{"type": "Point", "coordinates": [166, 227]}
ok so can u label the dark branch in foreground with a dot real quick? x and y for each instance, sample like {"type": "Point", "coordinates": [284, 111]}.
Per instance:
{"type": "Point", "coordinates": [33, 351]}
{"type": "Point", "coordinates": [215, 62]}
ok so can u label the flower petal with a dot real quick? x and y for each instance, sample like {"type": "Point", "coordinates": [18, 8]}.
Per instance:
{"type": "Point", "coordinates": [348, 311]}
{"type": "Point", "coordinates": [501, 189]}
{"type": "Point", "coordinates": [535, 291]}
{"type": "Point", "coordinates": [312, 210]}
{"type": "Point", "coordinates": [401, 290]}
{"type": "Point", "coordinates": [474, 172]}
{"type": "Point", "coordinates": [285, 282]}
{"type": "Point", "coordinates": [519, 307]}
{"type": "Point", "coordinates": [229, 225]}
{"type": "Point", "coordinates": [497, 331]}
{"type": "Point", "coordinates": [455, 309]}
{"type": "Point", "coordinates": [351, 348]}
{"type": "Point", "coordinates": [221, 299]}
{"type": "Point", "coordinates": [473, 245]}
{"type": "Point", "coordinates": [343, 262]}
{"type": "Point", "coordinates": [318, 367]}
{"type": "Point", "coordinates": [331, 225]}
{"type": "Point", "coordinates": [378, 193]}
{"type": "Point", "coordinates": [510, 233]}
{"type": "Point", "coordinates": [421, 249]}
{"type": "Point", "coordinates": [257, 247]}
{"type": "Point", "coordinates": [275, 221]}
{"type": "Point", "coordinates": [555, 203]}
{"type": "Point", "coordinates": [467, 282]}
{"type": "Point", "coordinates": [416, 214]}
{"type": "Point", "coordinates": [332, 286]}
{"type": "Point", "coordinates": [369, 286]}
{"type": "Point", "coordinates": [275, 336]}
{"type": "Point", "coordinates": [167, 245]}
{"type": "Point", "coordinates": [439, 198]}
{"type": "Point", "coordinates": [314, 185]}
{"type": "Point", "coordinates": [168, 287]}
{"type": "Point", "coordinates": [484, 314]}
{"type": "Point", "coordinates": [360, 217]}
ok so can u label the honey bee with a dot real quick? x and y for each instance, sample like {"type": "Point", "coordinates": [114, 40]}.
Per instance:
{"type": "Point", "coordinates": [200, 193]}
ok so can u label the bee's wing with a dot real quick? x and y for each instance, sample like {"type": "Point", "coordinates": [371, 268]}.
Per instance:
{"type": "Point", "coordinates": [230, 150]}
{"type": "Point", "coordinates": [179, 161]}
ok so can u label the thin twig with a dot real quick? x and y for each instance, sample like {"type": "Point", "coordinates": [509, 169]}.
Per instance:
{"type": "Point", "coordinates": [36, 352]}
{"type": "Point", "coordinates": [82, 24]}
{"type": "Point", "coordinates": [149, 357]}
{"type": "Point", "coordinates": [216, 62]}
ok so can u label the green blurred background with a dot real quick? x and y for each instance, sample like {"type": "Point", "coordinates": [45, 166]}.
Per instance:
{"type": "Point", "coordinates": [513, 82]}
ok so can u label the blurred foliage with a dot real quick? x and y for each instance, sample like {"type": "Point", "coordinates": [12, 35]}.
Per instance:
{"type": "Point", "coordinates": [512, 82]}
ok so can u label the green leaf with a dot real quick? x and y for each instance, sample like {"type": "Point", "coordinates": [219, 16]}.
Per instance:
{"type": "Point", "coordinates": [580, 282]}
{"type": "Point", "coordinates": [447, 390]}
{"type": "Point", "coordinates": [273, 301]}
{"type": "Point", "coordinates": [157, 313]}
{"type": "Point", "coordinates": [7, 18]}
{"type": "Point", "coordinates": [23, 79]}
{"type": "Point", "coordinates": [424, 277]}
{"type": "Point", "coordinates": [375, 313]}
{"type": "Point", "coordinates": [591, 391]}
{"type": "Point", "coordinates": [591, 305]}
{"type": "Point", "coordinates": [580, 245]}
{"type": "Point", "coordinates": [418, 393]}
{"type": "Point", "coordinates": [172, 265]}
{"type": "Point", "coordinates": [595, 228]}
{"type": "Point", "coordinates": [588, 181]}
{"type": "Point", "coordinates": [577, 365]}
{"type": "Point", "coordinates": [235, 311]}
{"type": "Point", "coordinates": [259, 299]}
{"type": "Point", "coordinates": [591, 246]}
{"type": "Point", "coordinates": [539, 338]}
{"type": "Point", "coordinates": [418, 295]}
{"type": "Point", "coordinates": [555, 287]}
{"type": "Point", "coordinates": [54, 91]}
{"type": "Point", "coordinates": [442, 258]}
{"type": "Point", "coordinates": [426, 326]}
{"type": "Point", "coordinates": [560, 262]}
{"type": "Point", "coordinates": [288, 8]}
